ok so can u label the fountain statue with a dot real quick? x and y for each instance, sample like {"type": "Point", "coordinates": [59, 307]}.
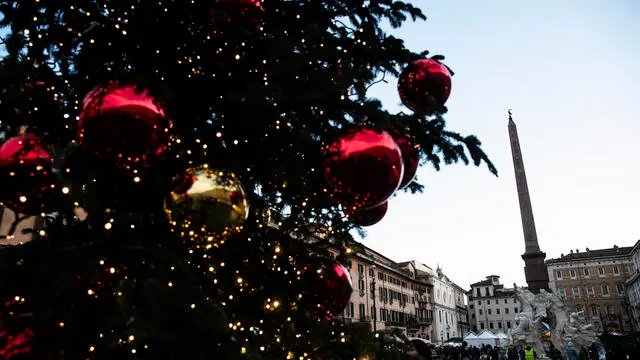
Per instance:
{"type": "Point", "coordinates": [566, 328]}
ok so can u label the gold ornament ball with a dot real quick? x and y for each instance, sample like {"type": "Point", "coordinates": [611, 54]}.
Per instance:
{"type": "Point", "coordinates": [207, 204]}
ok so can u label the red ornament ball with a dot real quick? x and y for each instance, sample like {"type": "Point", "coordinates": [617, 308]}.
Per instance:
{"type": "Point", "coordinates": [28, 183]}
{"type": "Point", "coordinates": [332, 290]}
{"type": "Point", "coordinates": [363, 168]}
{"type": "Point", "coordinates": [410, 156]}
{"type": "Point", "coordinates": [118, 121]}
{"type": "Point", "coordinates": [25, 149]}
{"type": "Point", "coordinates": [367, 217]}
{"type": "Point", "coordinates": [423, 84]}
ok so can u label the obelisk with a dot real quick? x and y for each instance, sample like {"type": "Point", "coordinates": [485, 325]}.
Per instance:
{"type": "Point", "coordinates": [535, 270]}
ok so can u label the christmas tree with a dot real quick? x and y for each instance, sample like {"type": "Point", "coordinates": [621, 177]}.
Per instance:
{"type": "Point", "coordinates": [196, 169]}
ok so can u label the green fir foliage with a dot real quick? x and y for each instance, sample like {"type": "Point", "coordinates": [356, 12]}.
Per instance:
{"type": "Point", "coordinates": [264, 91]}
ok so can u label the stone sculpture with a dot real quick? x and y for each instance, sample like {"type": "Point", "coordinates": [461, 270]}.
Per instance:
{"type": "Point", "coordinates": [566, 328]}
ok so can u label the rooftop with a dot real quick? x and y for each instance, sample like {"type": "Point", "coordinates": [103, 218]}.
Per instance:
{"type": "Point", "coordinates": [483, 283]}
{"type": "Point", "coordinates": [592, 254]}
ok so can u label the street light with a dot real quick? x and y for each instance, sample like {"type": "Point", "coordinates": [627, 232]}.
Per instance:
{"type": "Point", "coordinates": [373, 290]}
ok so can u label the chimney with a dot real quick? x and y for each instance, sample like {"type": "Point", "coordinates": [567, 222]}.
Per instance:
{"type": "Point", "coordinates": [561, 255]}
{"type": "Point", "coordinates": [587, 249]}
{"type": "Point", "coordinates": [571, 251]}
{"type": "Point", "coordinates": [577, 251]}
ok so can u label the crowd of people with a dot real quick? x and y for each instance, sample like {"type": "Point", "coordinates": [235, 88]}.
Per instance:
{"type": "Point", "coordinates": [422, 350]}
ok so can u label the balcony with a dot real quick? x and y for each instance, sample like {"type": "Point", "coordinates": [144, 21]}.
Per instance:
{"type": "Point", "coordinates": [396, 324]}
{"type": "Point", "coordinates": [425, 321]}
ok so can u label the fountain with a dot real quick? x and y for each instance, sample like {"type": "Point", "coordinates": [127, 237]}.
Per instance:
{"type": "Point", "coordinates": [565, 328]}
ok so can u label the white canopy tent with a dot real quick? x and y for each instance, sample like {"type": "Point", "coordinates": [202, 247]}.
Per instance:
{"type": "Point", "coordinates": [472, 339]}
{"type": "Point", "coordinates": [484, 338]}
{"type": "Point", "coordinates": [470, 335]}
{"type": "Point", "coordinates": [502, 338]}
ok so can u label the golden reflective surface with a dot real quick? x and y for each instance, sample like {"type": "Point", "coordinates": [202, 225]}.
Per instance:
{"type": "Point", "coordinates": [212, 207]}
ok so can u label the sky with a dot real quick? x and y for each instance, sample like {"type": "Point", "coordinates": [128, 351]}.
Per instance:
{"type": "Point", "coordinates": [570, 70]}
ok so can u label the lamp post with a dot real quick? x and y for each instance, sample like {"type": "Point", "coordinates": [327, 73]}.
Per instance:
{"type": "Point", "coordinates": [373, 295]}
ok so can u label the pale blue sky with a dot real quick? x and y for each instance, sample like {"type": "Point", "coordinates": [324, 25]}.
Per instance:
{"type": "Point", "coordinates": [570, 70]}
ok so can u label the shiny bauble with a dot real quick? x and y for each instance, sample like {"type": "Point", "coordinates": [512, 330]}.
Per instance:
{"type": "Point", "coordinates": [366, 217]}
{"type": "Point", "coordinates": [25, 149]}
{"type": "Point", "coordinates": [331, 289]}
{"type": "Point", "coordinates": [28, 185]}
{"type": "Point", "coordinates": [410, 156]}
{"type": "Point", "coordinates": [363, 167]}
{"type": "Point", "coordinates": [123, 123]}
{"type": "Point", "coordinates": [424, 84]}
{"type": "Point", "coordinates": [207, 204]}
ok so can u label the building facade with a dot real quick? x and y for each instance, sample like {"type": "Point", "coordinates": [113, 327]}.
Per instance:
{"type": "Point", "coordinates": [632, 287]}
{"type": "Point", "coordinates": [461, 300]}
{"type": "Point", "coordinates": [446, 295]}
{"type": "Point", "coordinates": [593, 281]}
{"type": "Point", "coordinates": [492, 306]}
{"type": "Point", "coordinates": [389, 295]}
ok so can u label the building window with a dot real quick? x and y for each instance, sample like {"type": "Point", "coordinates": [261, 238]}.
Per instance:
{"type": "Point", "coordinates": [601, 271]}
{"type": "Point", "coordinates": [508, 324]}
{"type": "Point", "coordinates": [515, 310]}
{"type": "Point", "coordinates": [561, 292]}
{"type": "Point", "coordinates": [586, 271]}
{"type": "Point", "coordinates": [360, 269]}
{"type": "Point", "coordinates": [631, 268]}
{"type": "Point", "coordinates": [440, 315]}
{"type": "Point", "coordinates": [506, 310]}
{"type": "Point", "coordinates": [576, 291]}
{"type": "Point", "coordinates": [480, 311]}
{"type": "Point", "coordinates": [478, 292]}
{"type": "Point", "coordinates": [590, 290]}
{"type": "Point", "coordinates": [497, 302]}
{"type": "Point", "coordinates": [610, 310]}
{"type": "Point", "coordinates": [349, 310]}
{"type": "Point", "coordinates": [572, 273]}
{"type": "Point", "coordinates": [605, 289]}
{"type": "Point", "coordinates": [497, 311]}
{"type": "Point", "coordinates": [488, 302]}
{"type": "Point", "coordinates": [505, 301]}
{"type": "Point", "coordinates": [486, 291]}
{"type": "Point", "coordinates": [616, 270]}
{"type": "Point", "coordinates": [620, 288]}
{"type": "Point", "coordinates": [488, 311]}
{"type": "Point", "coordinates": [479, 302]}
{"type": "Point", "coordinates": [559, 275]}
{"type": "Point", "coordinates": [594, 310]}
{"type": "Point", "coordinates": [490, 325]}
{"type": "Point", "coordinates": [499, 324]}
{"type": "Point", "coordinates": [482, 325]}
{"type": "Point", "coordinates": [362, 312]}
